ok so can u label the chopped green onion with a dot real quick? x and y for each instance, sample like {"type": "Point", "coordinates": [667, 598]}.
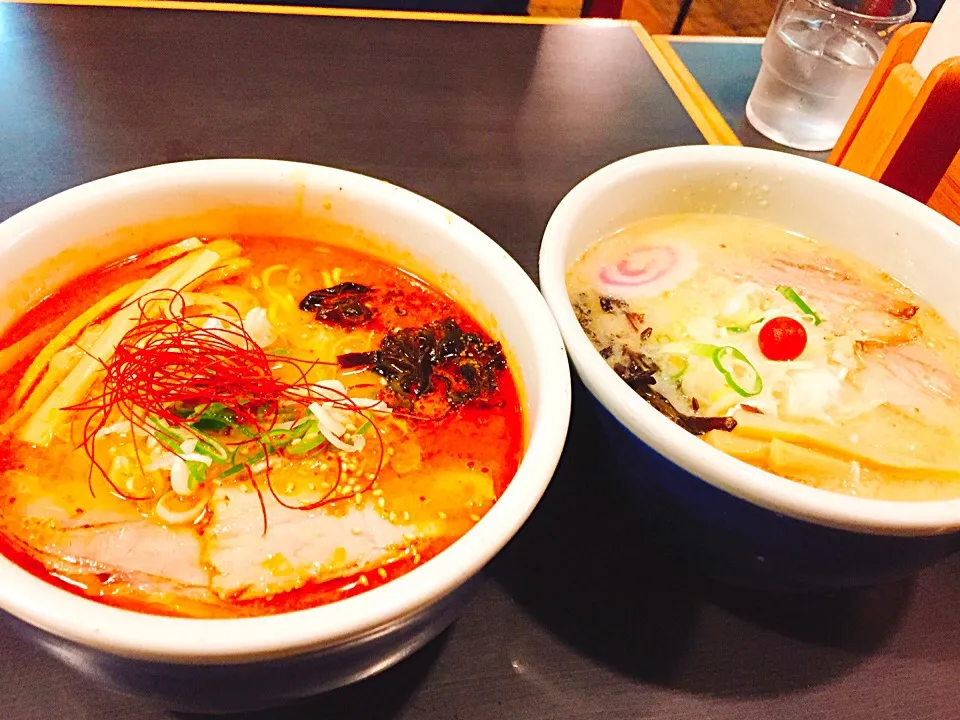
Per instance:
{"type": "Point", "coordinates": [197, 473]}
{"type": "Point", "coordinates": [208, 447]}
{"type": "Point", "coordinates": [306, 445]}
{"type": "Point", "coordinates": [743, 328]}
{"type": "Point", "coordinates": [232, 470]}
{"type": "Point", "coordinates": [728, 360]}
{"type": "Point", "coordinates": [680, 365]}
{"type": "Point", "coordinates": [276, 440]}
{"type": "Point", "coordinates": [215, 416]}
{"type": "Point", "coordinates": [238, 462]}
{"type": "Point", "coordinates": [702, 349]}
{"type": "Point", "coordinates": [790, 294]}
{"type": "Point", "coordinates": [165, 435]}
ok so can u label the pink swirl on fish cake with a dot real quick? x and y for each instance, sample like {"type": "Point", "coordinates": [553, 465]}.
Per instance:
{"type": "Point", "coordinates": [649, 270]}
{"type": "Point", "coordinates": [640, 267]}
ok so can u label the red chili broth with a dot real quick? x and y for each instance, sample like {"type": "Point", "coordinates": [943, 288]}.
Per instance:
{"type": "Point", "coordinates": [496, 428]}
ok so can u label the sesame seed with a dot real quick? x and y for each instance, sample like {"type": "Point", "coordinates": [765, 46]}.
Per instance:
{"type": "Point", "coordinates": [378, 492]}
{"type": "Point", "coordinates": [406, 515]}
{"type": "Point", "coordinates": [392, 516]}
{"type": "Point", "coordinates": [441, 514]}
{"type": "Point", "coordinates": [382, 573]}
{"type": "Point", "coordinates": [364, 580]}
{"type": "Point", "coordinates": [474, 517]}
{"type": "Point", "coordinates": [381, 502]}
{"type": "Point", "coordinates": [357, 531]}
{"type": "Point", "coordinates": [311, 486]}
{"type": "Point", "coordinates": [358, 498]}
{"type": "Point", "coordinates": [416, 558]}
{"type": "Point", "coordinates": [371, 476]}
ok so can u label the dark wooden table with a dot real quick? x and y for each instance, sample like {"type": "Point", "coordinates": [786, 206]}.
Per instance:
{"type": "Point", "coordinates": [582, 616]}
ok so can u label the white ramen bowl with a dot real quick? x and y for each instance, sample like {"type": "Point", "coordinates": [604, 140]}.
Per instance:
{"type": "Point", "coordinates": [741, 522]}
{"type": "Point", "coordinates": [234, 664]}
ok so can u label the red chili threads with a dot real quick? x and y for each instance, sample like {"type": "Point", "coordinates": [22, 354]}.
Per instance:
{"type": "Point", "coordinates": [174, 359]}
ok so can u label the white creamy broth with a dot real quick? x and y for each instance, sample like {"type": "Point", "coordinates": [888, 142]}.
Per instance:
{"type": "Point", "coordinates": [781, 350]}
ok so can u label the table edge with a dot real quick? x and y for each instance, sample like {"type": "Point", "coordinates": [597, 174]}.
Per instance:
{"type": "Point", "coordinates": [328, 12]}
{"type": "Point", "coordinates": [719, 39]}
{"type": "Point", "coordinates": [717, 130]}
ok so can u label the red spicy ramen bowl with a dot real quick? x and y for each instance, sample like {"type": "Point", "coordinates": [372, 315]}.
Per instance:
{"type": "Point", "coordinates": [293, 411]}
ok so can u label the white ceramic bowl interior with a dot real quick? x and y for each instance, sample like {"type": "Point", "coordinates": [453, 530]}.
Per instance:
{"type": "Point", "coordinates": [903, 237]}
{"type": "Point", "coordinates": [80, 228]}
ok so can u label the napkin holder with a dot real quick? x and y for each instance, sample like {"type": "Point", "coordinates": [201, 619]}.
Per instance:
{"type": "Point", "coordinates": [905, 130]}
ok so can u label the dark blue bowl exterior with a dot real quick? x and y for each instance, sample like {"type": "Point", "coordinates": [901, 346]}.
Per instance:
{"type": "Point", "coordinates": [253, 686]}
{"type": "Point", "coordinates": [741, 543]}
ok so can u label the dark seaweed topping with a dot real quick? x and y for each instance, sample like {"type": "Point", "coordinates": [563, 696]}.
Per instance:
{"type": "Point", "coordinates": [610, 304]}
{"type": "Point", "coordinates": [636, 321]}
{"type": "Point", "coordinates": [348, 361]}
{"type": "Point", "coordinates": [581, 308]}
{"type": "Point", "coordinates": [342, 304]}
{"type": "Point", "coordinates": [415, 361]}
{"type": "Point", "coordinates": [638, 372]}
{"type": "Point", "coordinates": [616, 305]}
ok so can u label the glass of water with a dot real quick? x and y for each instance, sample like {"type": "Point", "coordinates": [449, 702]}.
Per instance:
{"type": "Point", "coordinates": [817, 58]}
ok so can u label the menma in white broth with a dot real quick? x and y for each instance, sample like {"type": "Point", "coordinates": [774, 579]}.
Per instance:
{"type": "Point", "coordinates": [790, 354]}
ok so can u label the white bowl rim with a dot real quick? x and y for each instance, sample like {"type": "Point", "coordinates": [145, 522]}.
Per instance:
{"type": "Point", "coordinates": [738, 478]}
{"type": "Point", "coordinates": [213, 641]}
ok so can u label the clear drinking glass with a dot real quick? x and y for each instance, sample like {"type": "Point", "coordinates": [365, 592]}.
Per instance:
{"type": "Point", "coordinates": [817, 58]}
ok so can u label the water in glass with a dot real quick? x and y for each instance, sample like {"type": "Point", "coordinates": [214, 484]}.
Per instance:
{"type": "Point", "coordinates": [814, 71]}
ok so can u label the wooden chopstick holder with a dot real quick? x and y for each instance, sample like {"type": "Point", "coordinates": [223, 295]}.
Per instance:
{"type": "Point", "coordinates": [905, 131]}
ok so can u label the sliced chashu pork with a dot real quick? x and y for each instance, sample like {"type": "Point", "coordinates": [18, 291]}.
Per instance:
{"type": "Point", "coordinates": [299, 546]}
{"type": "Point", "coordinates": [127, 547]}
{"type": "Point", "coordinates": [105, 540]}
{"type": "Point", "coordinates": [837, 294]}
{"type": "Point", "coordinates": [140, 564]}
{"type": "Point", "coordinates": [910, 377]}
{"type": "Point", "coordinates": [76, 535]}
